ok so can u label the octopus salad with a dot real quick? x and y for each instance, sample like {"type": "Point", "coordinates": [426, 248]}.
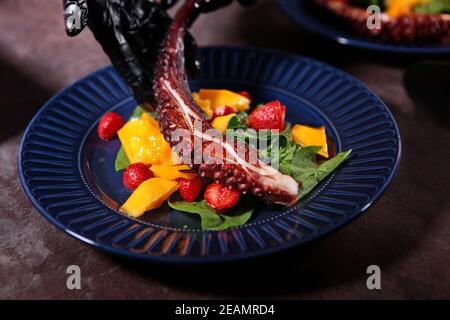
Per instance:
{"type": "Point", "coordinates": [211, 153]}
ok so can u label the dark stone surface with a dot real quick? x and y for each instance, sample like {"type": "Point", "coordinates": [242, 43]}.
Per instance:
{"type": "Point", "coordinates": [406, 232]}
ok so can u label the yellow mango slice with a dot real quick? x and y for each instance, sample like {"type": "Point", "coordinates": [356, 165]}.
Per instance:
{"type": "Point", "coordinates": [221, 123]}
{"type": "Point", "coordinates": [143, 142]}
{"type": "Point", "coordinates": [149, 121]}
{"type": "Point", "coordinates": [149, 195]}
{"type": "Point", "coordinates": [396, 8]}
{"type": "Point", "coordinates": [150, 150]}
{"type": "Point", "coordinates": [308, 136]}
{"type": "Point", "coordinates": [133, 128]}
{"type": "Point", "coordinates": [204, 104]}
{"type": "Point", "coordinates": [221, 97]}
{"type": "Point", "coordinates": [136, 127]}
{"type": "Point", "coordinates": [172, 172]}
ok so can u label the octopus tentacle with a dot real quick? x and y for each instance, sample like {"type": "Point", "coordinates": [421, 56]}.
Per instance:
{"type": "Point", "coordinates": [177, 110]}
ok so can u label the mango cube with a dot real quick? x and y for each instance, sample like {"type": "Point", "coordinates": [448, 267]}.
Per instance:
{"type": "Point", "coordinates": [308, 136]}
{"type": "Point", "coordinates": [149, 121]}
{"type": "Point", "coordinates": [204, 104]}
{"type": "Point", "coordinates": [150, 194]}
{"type": "Point", "coordinates": [397, 8]}
{"type": "Point", "coordinates": [143, 142]}
{"type": "Point", "coordinates": [221, 123]}
{"type": "Point", "coordinates": [169, 172]}
{"type": "Point", "coordinates": [219, 98]}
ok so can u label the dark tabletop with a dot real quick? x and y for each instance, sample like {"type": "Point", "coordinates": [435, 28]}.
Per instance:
{"type": "Point", "coordinates": [406, 233]}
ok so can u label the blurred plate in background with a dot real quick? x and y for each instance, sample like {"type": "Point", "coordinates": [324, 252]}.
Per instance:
{"type": "Point", "coordinates": [310, 16]}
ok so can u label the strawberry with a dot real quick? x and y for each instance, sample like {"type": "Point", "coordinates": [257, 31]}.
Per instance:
{"type": "Point", "coordinates": [135, 174]}
{"type": "Point", "coordinates": [245, 94]}
{"type": "Point", "coordinates": [190, 189]}
{"type": "Point", "coordinates": [109, 124]}
{"type": "Point", "coordinates": [268, 116]}
{"type": "Point", "coordinates": [223, 111]}
{"type": "Point", "coordinates": [220, 197]}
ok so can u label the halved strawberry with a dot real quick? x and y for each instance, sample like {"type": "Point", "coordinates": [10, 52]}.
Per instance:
{"type": "Point", "coordinates": [223, 111]}
{"type": "Point", "coordinates": [220, 197]}
{"type": "Point", "coordinates": [109, 124]}
{"type": "Point", "coordinates": [190, 189]}
{"type": "Point", "coordinates": [268, 116]}
{"type": "Point", "coordinates": [135, 174]}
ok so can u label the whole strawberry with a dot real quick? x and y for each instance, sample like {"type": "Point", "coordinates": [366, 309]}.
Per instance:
{"type": "Point", "coordinates": [220, 197]}
{"type": "Point", "coordinates": [109, 124]}
{"type": "Point", "coordinates": [190, 189]}
{"type": "Point", "coordinates": [268, 116]}
{"type": "Point", "coordinates": [135, 174]}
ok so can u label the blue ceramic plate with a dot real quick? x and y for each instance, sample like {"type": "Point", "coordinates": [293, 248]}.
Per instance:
{"type": "Point", "coordinates": [68, 172]}
{"type": "Point", "coordinates": [306, 13]}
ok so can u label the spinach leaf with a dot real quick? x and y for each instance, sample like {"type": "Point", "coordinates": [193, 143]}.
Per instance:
{"type": "Point", "coordinates": [210, 219]}
{"type": "Point", "coordinates": [238, 122]}
{"type": "Point", "coordinates": [286, 157]}
{"type": "Point", "coordinates": [293, 160]}
{"type": "Point", "coordinates": [269, 142]}
{"type": "Point", "coordinates": [280, 149]}
{"type": "Point", "coordinates": [242, 132]}
{"type": "Point", "coordinates": [287, 132]}
{"type": "Point", "coordinates": [122, 161]}
{"type": "Point", "coordinates": [244, 135]}
{"type": "Point", "coordinates": [309, 173]}
{"type": "Point", "coordinates": [137, 112]}
{"type": "Point", "coordinates": [230, 221]}
{"type": "Point", "coordinates": [433, 7]}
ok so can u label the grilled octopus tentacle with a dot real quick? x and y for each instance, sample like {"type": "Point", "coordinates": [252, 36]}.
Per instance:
{"type": "Point", "coordinates": [178, 110]}
{"type": "Point", "coordinates": [407, 28]}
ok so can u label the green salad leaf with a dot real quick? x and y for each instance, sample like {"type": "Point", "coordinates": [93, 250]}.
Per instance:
{"type": "Point", "coordinates": [306, 171]}
{"type": "Point", "coordinates": [293, 160]}
{"type": "Point", "coordinates": [230, 221]}
{"type": "Point", "coordinates": [287, 132]}
{"type": "Point", "coordinates": [137, 112]}
{"type": "Point", "coordinates": [210, 219]}
{"type": "Point", "coordinates": [122, 161]}
{"type": "Point", "coordinates": [239, 121]}
{"type": "Point", "coordinates": [433, 7]}
{"type": "Point", "coordinates": [272, 141]}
